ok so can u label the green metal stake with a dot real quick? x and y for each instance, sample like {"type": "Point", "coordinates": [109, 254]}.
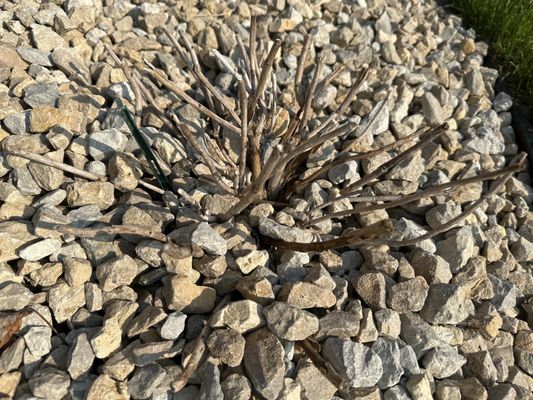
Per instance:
{"type": "Point", "coordinates": [145, 149]}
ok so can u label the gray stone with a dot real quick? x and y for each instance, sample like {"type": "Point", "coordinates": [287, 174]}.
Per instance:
{"type": "Point", "coordinates": [80, 357]}
{"type": "Point", "coordinates": [148, 317]}
{"type": "Point", "coordinates": [445, 304]}
{"type": "Point", "coordinates": [433, 268]}
{"type": "Point", "coordinates": [371, 288]}
{"type": "Point", "coordinates": [50, 383]}
{"type": "Point", "coordinates": [124, 171]}
{"type": "Point", "coordinates": [264, 363]}
{"type": "Point", "coordinates": [100, 194]}
{"type": "Point", "coordinates": [315, 386]}
{"type": "Point", "coordinates": [227, 345]}
{"type": "Point", "coordinates": [35, 56]}
{"type": "Point", "coordinates": [18, 123]}
{"type": "Point", "coordinates": [409, 295]}
{"type": "Point", "coordinates": [271, 228]}
{"type": "Point", "coordinates": [389, 352]}
{"type": "Point", "coordinates": [65, 300]}
{"type": "Point", "coordinates": [339, 323]}
{"type": "Point", "coordinates": [242, 315]}
{"type": "Point", "coordinates": [14, 296]}
{"type": "Point", "coordinates": [173, 326]}
{"type": "Point", "coordinates": [432, 110]}
{"type": "Point", "coordinates": [147, 353]}
{"type": "Point", "coordinates": [358, 364]}
{"type": "Point", "coordinates": [46, 39]}
{"type": "Point", "coordinates": [504, 293]}
{"type": "Point", "coordinates": [290, 323]}
{"type": "Point", "coordinates": [388, 322]}
{"type": "Point", "coordinates": [145, 380]}
{"type": "Point", "coordinates": [208, 240]}
{"type": "Point", "coordinates": [502, 102]}
{"type": "Point", "coordinates": [236, 387]}
{"type": "Point", "coordinates": [211, 388]}
{"type": "Point", "coordinates": [306, 295]}
{"type": "Point", "coordinates": [103, 144]}
{"type": "Point", "coordinates": [418, 333]}
{"type": "Point", "coordinates": [443, 361]}
{"type": "Point", "coordinates": [457, 250]}
{"type": "Point", "coordinates": [41, 93]}
{"type": "Point", "coordinates": [116, 272]}
{"type": "Point", "coordinates": [522, 250]}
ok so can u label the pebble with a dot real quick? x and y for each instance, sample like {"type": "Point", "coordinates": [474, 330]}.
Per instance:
{"type": "Point", "coordinates": [208, 240]}
{"type": "Point", "coordinates": [389, 352]}
{"type": "Point", "coordinates": [445, 304]}
{"type": "Point", "coordinates": [116, 272]}
{"type": "Point", "coordinates": [409, 295]}
{"type": "Point", "coordinates": [183, 295]}
{"type": "Point", "coordinates": [242, 316]}
{"type": "Point", "coordinates": [39, 250]}
{"type": "Point", "coordinates": [289, 322]}
{"type": "Point", "coordinates": [81, 357]}
{"type": "Point", "coordinates": [173, 326]}
{"type": "Point", "coordinates": [14, 296]}
{"type": "Point", "coordinates": [237, 387]}
{"type": "Point", "coordinates": [103, 144]}
{"type": "Point", "coordinates": [227, 345]}
{"type": "Point", "coordinates": [49, 383]}
{"type": "Point", "coordinates": [264, 363]}
{"type": "Point", "coordinates": [356, 363]}
{"type": "Point", "coordinates": [145, 380]}
{"type": "Point", "coordinates": [443, 361]}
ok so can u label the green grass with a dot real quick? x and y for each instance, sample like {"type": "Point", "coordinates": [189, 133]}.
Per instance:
{"type": "Point", "coordinates": [507, 25]}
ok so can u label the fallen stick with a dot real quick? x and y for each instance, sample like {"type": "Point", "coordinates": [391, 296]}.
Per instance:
{"type": "Point", "coordinates": [113, 230]}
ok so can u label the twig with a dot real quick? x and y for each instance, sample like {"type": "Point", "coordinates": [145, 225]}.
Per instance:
{"type": "Point", "coordinates": [112, 230]}
{"type": "Point", "coordinates": [206, 157]}
{"type": "Point", "coordinates": [301, 64]}
{"type": "Point", "coordinates": [56, 164]}
{"type": "Point", "coordinates": [432, 191]}
{"type": "Point", "coordinates": [252, 47]}
{"type": "Point", "coordinates": [256, 189]}
{"type": "Point", "coordinates": [157, 75]}
{"type": "Point", "coordinates": [256, 147]}
{"type": "Point", "coordinates": [198, 351]}
{"type": "Point", "coordinates": [353, 238]}
{"type": "Point", "coordinates": [194, 66]}
{"type": "Point", "coordinates": [243, 98]}
{"type": "Point", "coordinates": [367, 155]}
{"type": "Point", "coordinates": [263, 77]}
{"type": "Point", "coordinates": [311, 93]}
{"type": "Point", "coordinates": [427, 137]}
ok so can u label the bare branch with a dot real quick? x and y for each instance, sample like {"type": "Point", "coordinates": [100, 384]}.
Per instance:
{"type": "Point", "coordinates": [432, 191]}
{"type": "Point", "coordinates": [311, 93]}
{"type": "Point", "coordinates": [198, 352]}
{"type": "Point", "coordinates": [113, 230]}
{"type": "Point", "coordinates": [157, 75]}
{"type": "Point", "coordinates": [243, 98]}
{"type": "Point", "coordinates": [301, 64]}
{"type": "Point", "coordinates": [427, 137]}
{"type": "Point", "coordinates": [205, 156]}
{"type": "Point", "coordinates": [263, 77]}
{"type": "Point", "coordinates": [56, 164]}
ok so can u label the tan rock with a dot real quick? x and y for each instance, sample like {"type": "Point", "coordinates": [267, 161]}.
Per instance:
{"type": "Point", "coordinates": [183, 295]}
{"type": "Point", "coordinates": [9, 58]}
{"type": "Point", "coordinates": [100, 194]}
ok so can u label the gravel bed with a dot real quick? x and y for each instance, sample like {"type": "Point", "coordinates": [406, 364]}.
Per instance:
{"type": "Point", "coordinates": [118, 315]}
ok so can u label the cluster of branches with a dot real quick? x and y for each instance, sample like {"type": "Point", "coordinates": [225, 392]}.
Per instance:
{"type": "Point", "coordinates": [271, 165]}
